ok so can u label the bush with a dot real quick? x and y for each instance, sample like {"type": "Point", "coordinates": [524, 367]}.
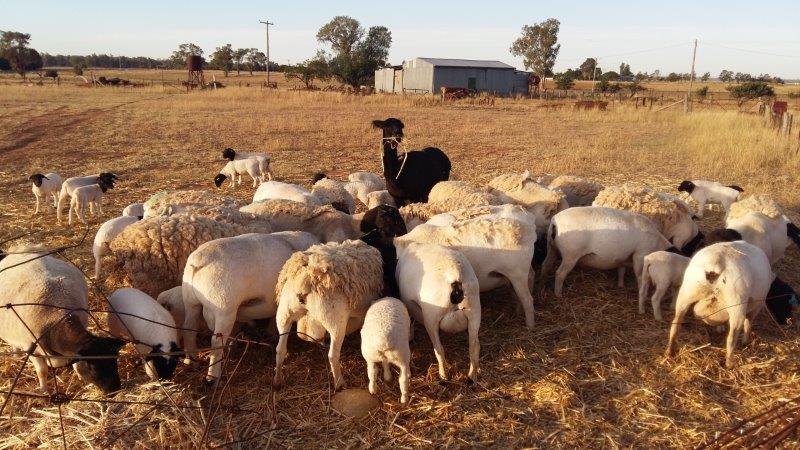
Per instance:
{"type": "Point", "coordinates": [702, 92]}
{"type": "Point", "coordinates": [751, 89]}
{"type": "Point", "coordinates": [78, 68]}
{"type": "Point", "coordinates": [605, 86]}
{"type": "Point", "coordinates": [50, 73]}
{"type": "Point", "coordinates": [564, 81]}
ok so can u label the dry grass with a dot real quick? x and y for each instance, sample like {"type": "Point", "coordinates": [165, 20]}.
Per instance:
{"type": "Point", "coordinates": [590, 374]}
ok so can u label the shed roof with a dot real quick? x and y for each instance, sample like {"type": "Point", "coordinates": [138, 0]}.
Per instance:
{"type": "Point", "coordinates": [474, 63]}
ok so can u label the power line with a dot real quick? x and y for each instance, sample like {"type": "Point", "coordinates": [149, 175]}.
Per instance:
{"type": "Point", "coordinates": [751, 51]}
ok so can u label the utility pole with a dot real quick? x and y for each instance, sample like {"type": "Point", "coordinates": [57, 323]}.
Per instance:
{"type": "Point", "coordinates": [691, 79]}
{"type": "Point", "coordinates": [267, 23]}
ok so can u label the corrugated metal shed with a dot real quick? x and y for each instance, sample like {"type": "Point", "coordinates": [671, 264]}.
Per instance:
{"type": "Point", "coordinates": [472, 63]}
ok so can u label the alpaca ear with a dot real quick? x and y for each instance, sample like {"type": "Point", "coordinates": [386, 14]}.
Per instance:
{"type": "Point", "coordinates": [378, 123]}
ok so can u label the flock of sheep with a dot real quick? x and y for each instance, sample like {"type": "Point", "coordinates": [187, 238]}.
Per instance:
{"type": "Point", "coordinates": [425, 248]}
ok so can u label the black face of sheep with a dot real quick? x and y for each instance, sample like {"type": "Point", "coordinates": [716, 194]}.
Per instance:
{"type": "Point", "coordinates": [385, 245]}
{"type": "Point", "coordinates": [2, 255]}
{"type": "Point", "coordinates": [103, 372]}
{"type": "Point", "coordinates": [692, 246]}
{"type": "Point", "coordinates": [318, 176]}
{"type": "Point", "coordinates": [720, 235]}
{"type": "Point", "coordinates": [165, 364]}
{"type": "Point", "coordinates": [105, 184]}
{"type": "Point", "coordinates": [781, 298]}
{"type": "Point", "coordinates": [107, 178]}
{"type": "Point", "coordinates": [37, 179]}
{"type": "Point", "coordinates": [229, 154]}
{"type": "Point", "coordinates": [386, 220]}
{"type": "Point", "coordinates": [219, 179]}
{"type": "Point", "coordinates": [686, 186]}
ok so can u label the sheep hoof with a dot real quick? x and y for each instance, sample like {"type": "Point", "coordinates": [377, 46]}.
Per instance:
{"type": "Point", "coordinates": [211, 381]}
{"type": "Point", "coordinates": [277, 384]}
{"type": "Point", "coordinates": [730, 363]}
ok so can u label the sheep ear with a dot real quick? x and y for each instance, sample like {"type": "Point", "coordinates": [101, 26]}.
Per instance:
{"type": "Point", "coordinates": [378, 123]}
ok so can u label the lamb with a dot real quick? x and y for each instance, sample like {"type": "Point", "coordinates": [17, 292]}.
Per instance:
{"type": "Point", "coordinates": [335, 193]}
{"type": "Point", "coordinates": [262, 158]}
{"type": "Point", "coordinates": [136, 316]}
{"type": "Point", "coordinates": [45, 186]}
{"type": "Point", "coordinates": [152, 253]}
{"type": "Point", "coordinates": [600, 238]}
{"type": "Point", "coordinates": [760, 221]}
{"type": "Point", "coordinates": [105, 234]}
{"type": "Point", "coordinates": [86, 197]}
{"type": "Point", "coordinates": [672, 216]}
{"type": "Point", "coordinates": [578, 191]}
{"type": "Point", "coordinates": [377, 198]}
{"type": "Point", "coordinates": [134, 210]}
{"type": "Point", "coordinates": [441, 291]}
{"type": "Point", "coordinates": [57, 318]}
{"type": "Point", "coordinates": [70, 184]}
{"type": "Point", "coordinates": [239, 167]}
{"type": "Point", "coordinates": [520, 189]}
{"type": "Point", "coordinates": [165, 203]}
{"type": "Point", "coordinates": [230, 276]}
{"type": "Point", "coordinates": [497, 241]}
{"type": "Point", "coordinates": [703, 192]}
{"type": "Point", "coordinates": [663, 270]}
{"type": "Point", "coordinates": [330, 284]}
{"type": "Point", "coordinates": [275, 190]}
{"type": "Point", "coordinates": [724, 282]}
{"type": "Point", "coordinates": [384, 340]}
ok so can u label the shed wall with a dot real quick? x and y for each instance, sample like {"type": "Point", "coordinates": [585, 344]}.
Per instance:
{"type": "Point", "coordinates": [418, 77]}
{"type": "Point", "coordinates": [499, 81]}
{"type": "Point", "coordinates": [384, 80]}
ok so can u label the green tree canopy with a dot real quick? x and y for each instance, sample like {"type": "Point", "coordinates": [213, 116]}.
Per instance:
{"type": "Point", "coordinates": [178, 58]}
{"type": "Point", "coordinates": [14, 49]}
{"type": "Point", "coordinates": [356, 55]}
{"type": "Point", "coordinates": [222, 58]}
{"type": "Point", "coordinates": [538, 46]}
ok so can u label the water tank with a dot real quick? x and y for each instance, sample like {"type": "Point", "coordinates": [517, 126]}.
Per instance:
{"type": "Point", "coordinates": [194, 62]}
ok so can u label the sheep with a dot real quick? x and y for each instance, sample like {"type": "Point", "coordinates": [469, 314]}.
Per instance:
{"type": "Point", "coordinates": [165, 203]}
{"type": "Point", "coordinates": [326, 223]}
{"type": "Point", "coordinates": [372, 181]}
{"type": "Point", "coordinates": [671, 215]}
{"type": "Point", "coordinates": [234, 275]}
{"type": "Point", "coordinates": [172, 301]}
{"type": "Point", "coordinates": [497, 241]}
{"type": "Point", "coordinates": [105, 234]}
{"type": "Point", "coordinates": [724, 282]}
{"type": "Point", "coordinates": [134, 210]}
{"type": "Point", "coordinates": [237, 168]}
{"type": "Point", "coordinates": [781, 301]}
{"type": "Point", "coordinates": [600, 238]}
{"type": "Point", "coordinates": [409, 178]}
{"type": "Point", "coordinates": [85, 197]}
{"type": "Point", "coordinates": [663, 270]}
{"type": "Point", "coordinates": [377, 198]}
{"type": "Point", "coordinates": [359, 187]}
{"type": "Point", "coordinates": [136, 316]}
{"type": "Point", "coordinates": [578, 191]}
{"type": "Point", "coordinates": [760, 221]}
{"type": "Point", "coordinates": [54, 324]}
{"type": "Point", "coordinates": [703, 192]}
{"type": "Point", "coordinates": [331, 284]}
{"type": "Point", "coordinates": [262, 158]}
{"type": "Point", "coordinates": [441, 291]}
{"type": "Point", "coordinates": [335, 193]}
{"type": "Point", "coordinates": [70, 184]}
{"type": "Point", "coordinates": [44, 186]}
{"type": "Point", "coordinates": [520, 189]}
{"type": "Point", "coordinates": [275, 190]}
{"type": "Point", "coordinates": [152, 253]}
{"type": "Point", "coordinates": [384, 340]}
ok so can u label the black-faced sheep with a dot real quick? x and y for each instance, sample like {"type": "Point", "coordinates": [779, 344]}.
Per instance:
{"type": "Point", "coordinates": [703, 192]}
{"type": "Point", "coordinates": [44, 186]}
{"type": "Point", "coordinates": [70, 184]}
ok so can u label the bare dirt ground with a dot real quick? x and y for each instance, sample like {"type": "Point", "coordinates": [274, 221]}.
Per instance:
{"type": "Point", "coordinates": [590, 374]}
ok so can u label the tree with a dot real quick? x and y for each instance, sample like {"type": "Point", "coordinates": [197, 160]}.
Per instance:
{"type": "Point", "coordinates": [751, 90]}
{"type": "Point", "coordinates": [316, 68]}
{"type": "Point", "coordinates": [702, 92]}
{"type": "Point", "coordinates": [706, 76]}
{"type": "Point", "coordinates": [356, 55]}
{"type": "Point", "coordinates": [222, 58]}
{"type": "Point", "coordinates": [14, 48]}
{"type": "Point", "coordinates": [564, 81]}
{"type": "Point", "coordinates": [587, 67]}
{"type": "Point", "coordinates": [741, 77]}
{"type": "Point", "coordinates": [726, 76]}
{"type": "Point", "coordinates": [538, 46]}
{"type": "Point", "coordinates": [178, 58]}
{"type": "Point", "coordinates": [672, 77]}
{"type": "Point", "coordinates": [238, 56]}
{"type": "Point", "coordinates": [610, 76]}
{"type": "Point", "coordinates": [625, 70]}
{"type": "Point", "coordinates": [255, 59]}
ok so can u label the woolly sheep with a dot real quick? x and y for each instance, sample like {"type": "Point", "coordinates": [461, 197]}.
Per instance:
{"type": "Point", "coordinates": [703, 192]}
{"type": "Point", "coordinates": [86, 197]}
{"type": "Point", "coordinates": [663, 270]}
{"type": "Point", "coordinates": [105, 234]}
{"type": "Point", "coordinates": [165, 203]}
{"type": "Point", "coordinates": [332, 284]}
{"type": "Point", "coordinates": [600, 238]}
{"type": "Point", "coordinates": [384, 341]}
{"type": "Point", "coordinates": [578, 191]}
{"type": "Point", "coordinates": [760, 221]}
{"type": "Point", "coordinates": [724, 282]}
{"type": "Point", "coordinates": [44, 186]}
{"type": "Point", "coordinates": [332, 192]}
{"type": "Point", "coordinates": [441, 291]}
{"type": "Point", "coordinates": [237, 168]}
{"type": "Point", "coordinates": [230, 276]}
{"type": "Point", "coordinates": [415, 214]}
{"type": "Point", "coordinates": [672, 216]}
{"type": "Point", "coordinates": [135, 210]}
{"type": "Point", "coordinates": [58, 322]}
{"type": "Point", "coordinates": [496, 240]}
{"type": "Point", "coordinates": [372, 180]}
{"type": "Point", "coordinates": [520, 189]}
{"type": "Point", "coordinates": [136, 316]}
{"type": "Point", "coordinates": [324, 222]}
{"type": "Point", "coordinates": [262, 158]}
{"type": "Point", "coordinates": [377, 198]}
{"type": "Point", "coordinates": [70, 184]}
{"type": "Point", "coordinates": [275, 190]}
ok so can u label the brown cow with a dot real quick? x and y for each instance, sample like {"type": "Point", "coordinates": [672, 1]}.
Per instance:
{"type": "Point", "coordinates": [591, 104]}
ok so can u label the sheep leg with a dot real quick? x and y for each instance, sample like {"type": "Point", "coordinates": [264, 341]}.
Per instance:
{"type": "Point", "coordinates": [549, 261]}
{"type": "Point", "coordinates": [283, 321]}
{"type": "Point", "coordinates": [98, 259]}
{"type": "Point", "coordinates": [254, 179]}
{"type": "Point", "coordinates": [269, 173]}
{"type": "Point", "coordinates": [387, 371]}
{"type": "Point", "coordinates": [474, 345]}
{"type": "Point", "coordinates": [337, 332]}
{"type": "Point", "coordinates": [567, 264]}
{"type": "Point", "coordinates": [40, 364]}
{"type": "Point", "coordinates": [62, 196]}
{"type": "Point", "coordinates": [683, 306]}
{"type": "Point", "coordinates": [99, 204]}
{"type": "Point", "coordinates": [701, 206]}
{"type": "Point", "coordinates": [735, 325]}
{"type": "Point", "coordinates": [372, 374]}
{"type": "Point", "coordinates": [658, 296]}
{"type": "Point", "coordinates": [432, 327]}
{"type": "Point", "coordinates": [37, 204]}
{"type": "Point", "coordinates": [190, 323]}
{"type": "Point", "coordinates": [222, 331]}
{"type": "Point", "coordinates": [403, 379]}
{"type": "Point", "coordinates": [621, 276]}
{"type": "Point", "coordinates": [520, 285]}
{"type": "Point", "coordinates": [55, 199]}
{"type": "Point", "coordinates": [748, 327]}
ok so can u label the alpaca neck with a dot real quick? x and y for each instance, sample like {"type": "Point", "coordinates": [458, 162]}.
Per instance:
{"type": "Point", "coordinates": [390, 163]}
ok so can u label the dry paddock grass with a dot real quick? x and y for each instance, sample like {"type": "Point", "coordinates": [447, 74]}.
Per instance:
{"type": "Point", "coordinates": [590, 374]}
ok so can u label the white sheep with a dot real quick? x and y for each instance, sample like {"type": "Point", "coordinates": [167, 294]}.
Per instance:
{"type": "Point", "coordinates": [172, 301]}
{"type": "Point", "coordinates": [262, 158]}
{"type": "Point", "coordinates": [497, 241]}
{"type": "Point", "coordinates": [134, 209]}
{"type": "Point", "coordinates": [333, 192]}
{"type": "Point", "coordinates": [230, 276]}
{"type": "Point", "coordinates": [166, 203]}
{"type": "Point", "coordinates": [70, 184]}
{"type": "Point", "coordinates": [663, 270]}
{"type": "Point", "coordinates": [324, 222]}
{"type": "Point", "coordinates": [44, 186]}
{"type": "Point", "coordinates": [578, 191]}
{"type": "Point", "coordinates": [136, 316]}
{"type": "Point", "coordinates": [238, 168]}
{"type": "Point", "coordinates": [441, 291]}
{"type": "Point", "coordinates": [521, 189]}
{"type": "Point", "coordinates": [55, 298]}
{"type": "Point", "coordinates": [415, 214]}
{"type": "Point", "coordinates": [276, 190]}
{"type": "Point", "coordinates": [724, 282]}
{"type": "Point", "coordinates": [372, 181]}
{"type": "Point", "coordinates": [600, 238]}
{"type": "Point", "coordinates": [332, 284]}
{"type": "Point", "coordinates": [87, 197]}
{"type": "Point", "coordinates": [703, 192]}
{"type": "Point", "coordinates": [384, 341]}
{"type": "Point", "coordinates": [760, 220]}
{"type": "Point", "coordinates": [377, 198]}
{"type": "Point", "coordinates": [105, 234]}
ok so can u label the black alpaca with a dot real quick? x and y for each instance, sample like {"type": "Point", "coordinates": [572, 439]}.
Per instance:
{"type": "Point", "coordinates": [410, 176]}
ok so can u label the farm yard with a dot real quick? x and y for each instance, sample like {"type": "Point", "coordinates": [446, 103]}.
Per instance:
{"type": "Point", "coordinates": [591, 373]}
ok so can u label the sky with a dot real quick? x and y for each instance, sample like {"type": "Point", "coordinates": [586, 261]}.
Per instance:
{"type": "Point", "coordinates": [743, 36]}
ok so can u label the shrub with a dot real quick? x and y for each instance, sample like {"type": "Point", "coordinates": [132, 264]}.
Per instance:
{"type": "Point", "coordinates": [702, 92]}
{"type": "Point", "coordinates": [751, 89]}
{"type": "Point", "coordinates": [50, 73]}
{"type": "Point", "coordinates": [78, 68]}
{"type": "Point", "coordinates": [564, 81]}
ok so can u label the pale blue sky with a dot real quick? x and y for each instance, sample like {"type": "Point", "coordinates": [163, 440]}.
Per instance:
{"type": "Point", "coordinates": [742, 36]}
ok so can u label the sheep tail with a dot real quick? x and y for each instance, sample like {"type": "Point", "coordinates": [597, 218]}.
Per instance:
{"type": "Point", "coordinates": [187, 288]}
{"type": "Point", "coordinates": [457, 293]}
{"type": "Point", "coordinates": [793, 232]}
{"type": "Point", "coordinates": [735, 187]}
{"type": "Point", "coordinates": [644, 286]}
